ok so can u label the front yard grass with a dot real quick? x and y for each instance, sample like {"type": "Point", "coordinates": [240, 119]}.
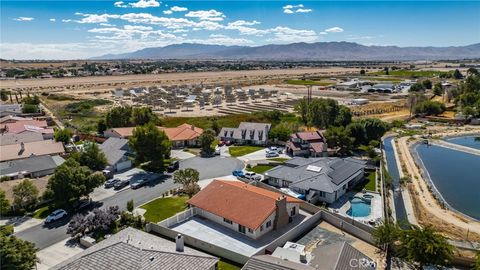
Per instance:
{"type": "Point", "coordinates": [260, 168]}
{"type": "Point", "coordinates": [162, 208]}
{"type": "Point", "coordinates": [41, 213]}
{"type": "Point", "coordinates": [279, 159]}
{"type": "Point", "coordinates": [224, 264]}
{"type": "Point", "coordinates": [371, 184]}
{"type": "Point", "coordinates": [238, 151]}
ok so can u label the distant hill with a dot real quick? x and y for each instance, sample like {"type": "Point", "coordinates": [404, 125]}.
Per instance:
{"type": "Point", "coordinates": [301, 51]}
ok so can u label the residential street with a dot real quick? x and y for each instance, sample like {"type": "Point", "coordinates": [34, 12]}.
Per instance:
{"type": "Point", "coordinates": [47, 236]}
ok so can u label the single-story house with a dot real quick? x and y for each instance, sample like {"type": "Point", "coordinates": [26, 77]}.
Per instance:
{"type": "Point", "coordinates": [25, 150]}
{"type": "Point", "coordinates": [244, 208]}
{"type": "Point", "coordinates": [309, 143]}
{"type": "Point", "coordinates": [134, 249]}
{"type": "Point", "coordinates": [38, 126]}
{"type": "Point", "coordinates": [181, 136]}
{"type": "Point", "coordinates": [30, 167]}
{"type": "Point", "coordinates": [10, 109]}
{"type": "Point", "coordinates": [116, 151]}
{"type": "Point", "coordinates": [247, 133]}
{"type": "Point", "coordinates": [319, 179]}
{"type": "Point", "coordinates": [12, 119]}
{"type": "Point", "coordinates": [12, 138]}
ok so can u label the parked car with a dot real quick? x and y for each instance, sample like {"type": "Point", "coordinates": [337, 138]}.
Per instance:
{"type": "Point", "coordinates": [253, 176]}
{"type": "Point", "coordinates": [217, 151]}
{"type": "Point", "coordinates": [238, 173]}
{"type": "Point", "coordinates": [138, 183]}
{"type": "Point", "coordinates": [108, 174]}
{"type": "Point", "coordinates": [56, 215]}
{"type": "Point", "coordinates": [270, 154]}
{"type": "Point", "coordinates": [121, 184]}
{"type": "Point", "coordinates": [82, 204]}
{"type": "Point", "coordinates": [173, 166]}
{"type": "Point", "coordinates": [110, 183]}
{"type": "Point", "coordinates": [228, 143]}
{"type": "Point", "coordinates": [272, 149]}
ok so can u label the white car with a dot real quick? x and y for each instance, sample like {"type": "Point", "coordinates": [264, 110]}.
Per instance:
{"type": "Point", "coordinates": [271, 154]}
{"type": "Point", "coordinates": [217, 150]}
{"type": "Point", "coordinates": [56, 215]}
{"type": "Point", "coordinates": [272, 149]}
{"type": "Point", "coordinates": [253, 176]}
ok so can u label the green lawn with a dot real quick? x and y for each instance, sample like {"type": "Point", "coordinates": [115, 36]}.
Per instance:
{"type": "Point", "coordinates": [371, 184]}
{"type": "Point", "coordinates": [224, 264]}
{"type": "Point", "coordinates": [308, 82]}
{"type": "Point", "coordinates": [238, 151]}
{"type": "Point", "coordinates": [411, 73]}
{"type": "Point", "coordinates": [41, 213]}
{"type": "Point", "coordinates": [162, 208]}
{"type": "Point", "coordinates": [279, 159]}
{"type": "Point", "coordinates": [260, 168]}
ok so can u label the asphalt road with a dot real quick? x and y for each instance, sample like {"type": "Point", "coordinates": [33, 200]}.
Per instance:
{"type": "Point", "coordinates": [44, 236]}
{"type": "Point", "coordinates": [213, 166]}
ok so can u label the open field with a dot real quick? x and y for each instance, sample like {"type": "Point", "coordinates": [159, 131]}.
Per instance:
{"type": "Point", "coordinates": [309, 82]}
{"type": "Point", "coordinates": [411, 73]}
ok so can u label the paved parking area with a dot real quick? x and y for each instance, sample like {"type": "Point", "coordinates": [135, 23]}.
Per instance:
{"type": "Point", "coordinates": [57, 253]}
{"type": "Point", "coordinates": [212, 167]}
{"type": "Point", "coordinates": [259, 155]}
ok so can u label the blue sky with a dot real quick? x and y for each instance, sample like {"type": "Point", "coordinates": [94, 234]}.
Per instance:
{"type": "Point", "coordinates": [79, 29]}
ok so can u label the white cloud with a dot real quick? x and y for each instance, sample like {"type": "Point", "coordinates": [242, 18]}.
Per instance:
{"type": "Point", "coordinates": [221, 40]}
{"type": "Point", "coordinates": [95, 18]}
{"type": "Point", "coordinates": [286, 34]}
{"type": "Point", "coordinates": [106, 24]}
{"type": "Point", "coordinates": [304, 10]}
{"type": "Point", "coordinates": [243, 22]}
{"type": "Point", "coordinates": [145, 4]}
{"type": "Point", "coordinates": [24, 19]}
{"type": "Point", "coordinates": [291, 9]}
{"type": "Point", "coordinates": [206, 15]}
{"type": "Point", "coordinates": [120, 4]}
{"type": "Point", "coordinates": [243, 27]}
{"type": "Point", "coordinates": [335, 29]}
{"type": "Point", "coordinates": [167, 12]}
{"type": "Point", "coordinates": [323, 33]}
{"type": "Point", "coordinates": [66, 20]}
{"type": "Point", "coordinates": [52, 20]}
{"type": "Point", "coordinates": [178, 9]}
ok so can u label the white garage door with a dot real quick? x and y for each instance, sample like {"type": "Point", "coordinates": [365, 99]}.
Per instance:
{"type": "Point", "coordinates": [124, 165]}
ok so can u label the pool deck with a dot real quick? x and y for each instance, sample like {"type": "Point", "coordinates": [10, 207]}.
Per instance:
{"type": "Point", "coordinates": [342, 205]}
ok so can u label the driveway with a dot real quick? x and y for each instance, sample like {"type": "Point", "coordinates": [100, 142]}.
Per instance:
{"type": "Point", "coordinates": [212, 167]}
{"type": "Point", "coordinates": [180, 154]}
{"type": "Point", "coordinates": [259, 155]}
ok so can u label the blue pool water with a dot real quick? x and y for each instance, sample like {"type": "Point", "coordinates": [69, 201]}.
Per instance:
{"type": "Point", "coordinates": [359, 208]}
{"type": "Point", "coordinates": [468, 141]}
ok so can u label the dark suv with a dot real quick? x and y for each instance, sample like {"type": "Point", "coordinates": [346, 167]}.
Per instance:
{"type": "Point", "coordinates": [121, 184]}
{"type": "Point", "coordinates": [173, 166]}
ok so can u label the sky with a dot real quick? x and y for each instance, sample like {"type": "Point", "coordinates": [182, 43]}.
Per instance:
{"type": "Point", "coordinates": [82, 29]}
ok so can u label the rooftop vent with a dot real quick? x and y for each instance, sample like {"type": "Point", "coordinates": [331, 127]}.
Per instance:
{"type": "Point", "coordinates": [313, 168]}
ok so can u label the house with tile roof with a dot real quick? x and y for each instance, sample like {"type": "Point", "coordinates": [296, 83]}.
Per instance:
{"type": "Point", "coordinates": [246, 133]}
{"type": "Point", "coordinates": [12, 119]}
{"type": "Point", "coordinates": [181, 136]}
{"type": "Point", "coordinates": [319, 179]}
{"type": "Point", "coordinates": [12, 138]}
{"type": "Point", "coordinates": [132, 249]}
{"type": "Point", "coordinates": [18, 127]}
{"type": "Point", "coordinates": [245, 208]}
{"type": "Point", "coordinates": [307, 144]}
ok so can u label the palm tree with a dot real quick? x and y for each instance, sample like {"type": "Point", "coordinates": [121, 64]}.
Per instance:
{"type": "Point", "coordinates": [425, 247]}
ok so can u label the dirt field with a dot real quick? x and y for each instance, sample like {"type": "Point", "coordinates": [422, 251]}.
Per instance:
{"type": "Point", "coordinates": [93, 83]}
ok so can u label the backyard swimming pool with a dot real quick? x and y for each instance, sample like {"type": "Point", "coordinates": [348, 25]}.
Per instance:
{"type": "Point", "coordinates": [359, 207]}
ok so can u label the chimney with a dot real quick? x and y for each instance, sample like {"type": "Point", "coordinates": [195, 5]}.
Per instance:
{"type": "Point", "coordinates": [281, 214]}
{"type": "Point", "coordinates": [179, 243]}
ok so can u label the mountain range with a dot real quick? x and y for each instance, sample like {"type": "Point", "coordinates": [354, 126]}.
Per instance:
{"type": "Point", "coordinates": [326, 51]}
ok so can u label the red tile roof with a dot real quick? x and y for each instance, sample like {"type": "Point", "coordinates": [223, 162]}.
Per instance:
{"type": "Point", "coordinates": [180, 133]}
{"type": "Point", "coordinates": [21, 126]}
{"type": "Point", "coordinates": [241, 203]}
{"type": "Point", "coordinates": [309, 136]}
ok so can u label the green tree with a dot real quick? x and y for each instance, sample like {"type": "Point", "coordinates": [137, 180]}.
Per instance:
{"type": "Point", "coordinates": [188, 178]}
{"type": "Point", "coordinates": [150, 145]}
{"type": "Point", "coordinates": [143, 115]}
{"type": "Point", "coordinates": [25, 196]}
{"type": "Point", "coordinates": [17, 254]}
{"type": "Point", "coordinates": [472, 71]}
{"type": "Point", "coordinates": [429, 107]}
{"type": "Point", "coordinates": [29, 108]}
{"type": "Point", "coordinates": [301, 107]}
{"type": "Point", "coordinates": [339, 137]}
{"type": "Point", "coordinates": [92, 157]}
{"type": "Point", "coordinates": [476, 266]}
{"type": "Point", "coordinates": [357, 131]}
{"type": "Point", "coordinates": [119, 117]}
{"type": "Point", "coordinates": [215, 127]}
{"type": "Point", "coordinates": [438, 89]}
{"type": "Point", "coordinates": [362, 72]}
{"type": "Point", "coordinates": [206, 140]}
{"type": "Point", "coordinates": [62, 135]}
{"type": "Point", "coordinates": [385, 69]}
{"type": "Point", "coordinates": [101, 126]}
{"type": "Point", "coordinates": [417, 87]}
{"type": "Point", "coordinates": [427, 84]}
{"type": "Point", "coordinates": [130, 206]}
{"type": "Point", "coordinates": [4, 204]}
{"type": "Point", "coordinates": [71, 181]}
{"type": "Point", "coordinates": [282, 131]}
{"type": "Point", "coordinates": [35, 100]}
{"type": "Point", "coordinates": [424, 247]}
{"type": "Point", "coordinates": [375, 128]}
{"type": "Point", "coordinates": [386, 234]}
{"type": "Point", "coordinates": [4, 95]}
{"type": "Point", "coordinates": [457, 74]}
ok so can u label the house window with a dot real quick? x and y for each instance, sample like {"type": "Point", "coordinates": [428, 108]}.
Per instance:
{"type": "Point", "coordinates": [321, 193]}
{"type": "Point", "coordinates": [241, 228]}
{"type": "Point", "coordinates": [227, 221]}
{"type": "Point", "coordinates": [269, 223]}
{"type": "Point", "coordinates": [250, 230]}
{"type": "Point", "coordinates": [261, 228]}
{"type": "Point", "coordinates": [344, 187]}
